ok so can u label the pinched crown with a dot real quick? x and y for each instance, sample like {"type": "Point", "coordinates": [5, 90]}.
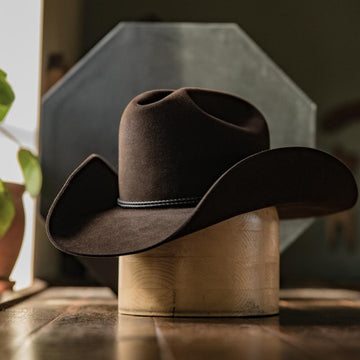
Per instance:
{"type": "Point", "coordinates": [173, 145]}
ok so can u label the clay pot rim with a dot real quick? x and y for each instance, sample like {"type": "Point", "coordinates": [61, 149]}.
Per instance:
{"type": "Point", "coordinates": [15, 187]}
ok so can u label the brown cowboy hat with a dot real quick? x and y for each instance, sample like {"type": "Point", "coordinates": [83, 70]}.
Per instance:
{"type": "Point", "coordinates": [188, 159]}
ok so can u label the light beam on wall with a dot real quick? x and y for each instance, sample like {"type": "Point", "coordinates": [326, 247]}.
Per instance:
{"type": "Point", "coordinates": [21, 27]}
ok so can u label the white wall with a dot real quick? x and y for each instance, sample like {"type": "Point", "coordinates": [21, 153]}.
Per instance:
{"type": "Point", "coordinates": [20, 54]}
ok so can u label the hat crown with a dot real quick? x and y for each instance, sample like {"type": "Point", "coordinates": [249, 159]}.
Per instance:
{"type": "Point", "coordinates": [175, 144]}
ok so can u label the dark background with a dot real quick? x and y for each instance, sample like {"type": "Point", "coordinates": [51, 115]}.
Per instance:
{"type": "Point", "coordinates": [317, 43]}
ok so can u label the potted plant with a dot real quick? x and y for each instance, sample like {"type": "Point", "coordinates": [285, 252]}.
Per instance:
{"type": "Point", "coordinates": [12, 219]}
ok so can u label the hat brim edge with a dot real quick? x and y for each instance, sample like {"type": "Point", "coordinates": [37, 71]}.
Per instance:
{"type": "Point", "coordinates": [223, 200]}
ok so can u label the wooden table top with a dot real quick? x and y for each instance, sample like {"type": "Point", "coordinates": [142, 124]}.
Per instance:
{"type": "Point", "coordinates": [83, 323]}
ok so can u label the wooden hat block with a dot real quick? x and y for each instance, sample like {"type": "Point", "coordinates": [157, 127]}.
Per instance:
{"type": "Point", "coordinates": [228, 269]}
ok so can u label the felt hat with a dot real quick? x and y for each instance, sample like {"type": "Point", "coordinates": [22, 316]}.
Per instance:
{"type": "Point", "coordinates": [190, 158]}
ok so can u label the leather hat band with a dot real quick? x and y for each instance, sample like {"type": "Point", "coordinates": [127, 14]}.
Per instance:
{"type": "Point", "coordinates": [181, 202]}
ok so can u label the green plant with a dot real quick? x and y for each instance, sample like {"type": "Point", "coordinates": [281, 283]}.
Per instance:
{"type": "Point", "coordinates": [29, 163]}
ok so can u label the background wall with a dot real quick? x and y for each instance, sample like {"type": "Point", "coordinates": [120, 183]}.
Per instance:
{"type": "Point", "coordinates": [317, 43]}
{"type": "Point", "coordinates": [63, 24]}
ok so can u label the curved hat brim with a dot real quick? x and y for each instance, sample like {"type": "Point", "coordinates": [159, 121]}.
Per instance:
{"type": "Point", "coordinates": [301, 182]}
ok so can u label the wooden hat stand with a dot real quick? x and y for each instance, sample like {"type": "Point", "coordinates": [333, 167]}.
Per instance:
{"type": "Point", "coordinates": [228, 269]}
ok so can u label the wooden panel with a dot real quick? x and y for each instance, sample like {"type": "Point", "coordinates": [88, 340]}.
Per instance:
{"type": "Point", "coordinates": [223, 339]}
{"type": "Point", "coordinates": [83, 323]}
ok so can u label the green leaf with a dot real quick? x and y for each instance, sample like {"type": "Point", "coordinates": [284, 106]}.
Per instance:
{"type": "Point", "coordinates": [7, 95]}
{"type": "Point", "coordinates": [31, 170]}
{"type": "Point", "coordinates": [7, 208]}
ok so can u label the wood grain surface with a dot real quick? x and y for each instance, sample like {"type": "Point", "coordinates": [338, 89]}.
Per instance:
{"type": "Point", "coordinates": [228, 269]}
{"type": "Point", "coordinates": [83, 323]}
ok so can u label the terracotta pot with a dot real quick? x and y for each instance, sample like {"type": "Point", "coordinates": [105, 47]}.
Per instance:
{"type": "Point", "coordinates": [10, 243]}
